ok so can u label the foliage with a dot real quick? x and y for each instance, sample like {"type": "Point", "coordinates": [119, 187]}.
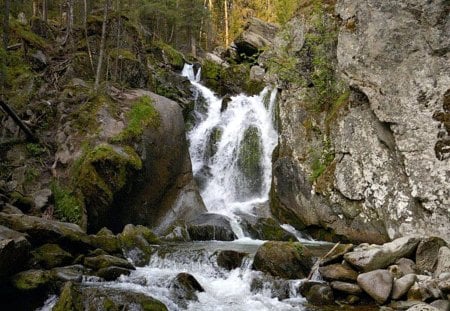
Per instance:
{"type": "Point", "coordinates": [68, 206]}
{"type": "Point", "coordinates": [320, 160]}
{"type": "Point", "coordinates": [141, 115]}
{"type": "Point", "coordinates": [35, 150]}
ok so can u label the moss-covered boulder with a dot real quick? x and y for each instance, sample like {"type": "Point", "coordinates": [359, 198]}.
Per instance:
{"type": "Point", "coordinates": [105, 261]}
{"type": "Point", "coordinates": [107, 241]}
{"type": "Point", "coordinates": [249, 163]}
{"type": "Point", "coordinates": [183, 289]}
{"type": "Point", "coordinates": [265, 229]}
{"type": "Point", "coordinates": [14, 251]}
{"type": "Point", "coordinates": [211, 226]}
{"type": "Point", "coordinates": [138, 243]}
{"type": "Point", "coordinates": [288, 260]}
{"type": "Point", "coordinates": [50, 255]}
{"type": "Point", "coordinates": [31, 280]}
{"type": "Point", "coordinates": [77, 297]}
{"type": "Point", "coordinates": [230, 259]}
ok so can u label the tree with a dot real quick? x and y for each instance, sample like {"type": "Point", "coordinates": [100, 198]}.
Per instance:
{"type": "Point", "coordinates": [102, 46]}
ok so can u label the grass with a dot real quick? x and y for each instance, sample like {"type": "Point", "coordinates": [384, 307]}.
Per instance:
{"type": "Point", "coordinates": [68, 206]}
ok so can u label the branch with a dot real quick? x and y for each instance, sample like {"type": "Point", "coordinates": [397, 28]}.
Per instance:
{"type": "Point", "coordinates": [30, 136]}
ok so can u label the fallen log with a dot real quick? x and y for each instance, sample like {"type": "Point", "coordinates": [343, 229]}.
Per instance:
{"type": "Point", "coordinates": [30, 136]}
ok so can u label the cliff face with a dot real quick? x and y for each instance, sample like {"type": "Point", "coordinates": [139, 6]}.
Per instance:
{"type": "Point", "coordinates": [389, 133]}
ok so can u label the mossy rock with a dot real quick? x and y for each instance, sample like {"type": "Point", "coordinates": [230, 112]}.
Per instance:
{"type": "Point", "coordinates": [78, 297]}
{"type": "Point", "coordinates": [105, 261]}
{"type": "Point", "coordinates": [51, 255]}
{"type": "Point", "coordinates": [288, 260]}
{"type": "Point", "coordinates": [249, 163]}
{"type": "Point", "coordinates": [267, 229]}
{"type": "Point", "coordinates": [138, 243]}
{"type": "Point", "coordinates": [107, 241]}
{"type": "Point", "coordinates": [171, 56]}
{"type": "Point", "coordinates": [31, 280]}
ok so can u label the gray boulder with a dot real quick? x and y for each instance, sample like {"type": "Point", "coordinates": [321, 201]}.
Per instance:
{"type": "Point", "coordinates": [338, 272]}
{"type": "Point", "coordinates": [443, 261]}
{"type": "Point", "coordinates": [427, 254]}
{"type": "Point", "coordinates": [442, 305]}
{"type": "Point", "coordinates": [138, 243]}
{"type": "Point", "coordinates": [257, 35]}
{"type": "Point", "coordinates": [210, 226]}
{"type": "Point", "coordinates": [378, 284]}
{"type": "Point", "coordinates": [402, 286]}
{"type": "Point", "coordinates": [230, 259]}
{"type": "Point", "coordinates": [14, 251]}
{"type": "Point", "coordinates": [317, 293]}
{"type": "Point", "coordinates": [377, 257]}
{"type": "Point", "coordinates": [105, 261]}
{"type": "Point", "coordinates": [423, 307]}
{"type": "Point", "coordinates": [347, 288]}
{"type": "Point", "coordinates": [183, 289]}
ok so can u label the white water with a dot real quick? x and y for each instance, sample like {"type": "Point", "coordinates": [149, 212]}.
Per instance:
{"type": "Point", "coordinates": [224, 188]}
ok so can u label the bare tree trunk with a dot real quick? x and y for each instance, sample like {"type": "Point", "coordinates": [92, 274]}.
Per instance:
{"type": "Point", "coordinates": [35, 6]}
{"type": "Point", "coordinates": [44, 10]}
{"type": "Point", "coordinates": [102, 47]}
{"type": "Point", "coordinates": [6, 24]}
{"type": "Point", "coordinates": [88, 45]}
{"type": "Point", "coordinates": [227, 36]}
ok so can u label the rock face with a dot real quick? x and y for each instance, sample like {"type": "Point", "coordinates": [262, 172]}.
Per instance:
{"type": "Point", "coordinates": [256, 36]}
{"type": "Point", "coordinates": [401, 65]}
{"type": "Point", "coordinates": [396, 69]}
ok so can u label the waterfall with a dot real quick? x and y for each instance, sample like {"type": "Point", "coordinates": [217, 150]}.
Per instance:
{"type": "Point", "coordinates": [231, 148]}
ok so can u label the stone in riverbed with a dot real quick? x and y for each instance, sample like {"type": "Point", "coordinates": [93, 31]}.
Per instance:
{"type": "Point", "coordinates": [14, 251]}
{"type": "Point", "coordinates": [31, 279]}
{"type": "Point", "coordinates": [104, 261]}
{"type": "Point", "coordinates": [112, 272]}
{"type": "Point", "coordinates": [138, 243]}
{"type": "Point", "coordinates": [184, 288]}
{"type": "Point", "coordinates": [423, 307]}
{"type": "Point", "coordinates": [289, 260]}
{"type": "Point", "coordinates": [51, 255]}
{"type": "Point", "coordinates": [106, 240]}
{"type": "Point", "coordinates": [376, 257]}
{"type": "Point", "coordinates": [348, 288]}
{"type": "Point", "coordinates": [317, 293]}
{"type": "Point", "coordinates": [72, 273]}
{"type": "Point", "coordinates": [442, 305]}
{"type": "Point", "coordinates": [427, 254]}
{"type": "Point", "coordinates": [210, 226]}
{"type": "Point", "coordinates": [338, 272]}
{"type": "Point", "coordinates": [402, 286]}
{"type": "Point", "coordinates": [230, 259]}
{"type": "Point", "coordinates": [377, 283]}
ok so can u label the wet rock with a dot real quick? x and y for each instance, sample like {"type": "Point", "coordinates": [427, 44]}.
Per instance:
{"type": "Point", "coordinates": [178, 233]}
{"type": "Point", "coordinates": [256, 36]}
{"type": "Point", "coordinates": [287, 260]}
{"type": "Point", "coordinates": [31, 280]}
{"type": "Point", "coordinates": [377, 283]}
{"type": "Point", "coordinates": [184, 288]}
{"type": "Point", "coordinates": [442, 305]}
{"type": "Point", "coordinates": [279, 288]}
{"type": "Point", "coordinates": [112, 272]}
{"type": "Point", "coordinates": [76, 297]}
{"type": "Point", "coordinates": [43, 231]}
{"type": "Point", "coordinates": [72, 273]}
{"type": "Point", "coordinates": [402, 285]}
{"type": "Point", "coordinates": [443, 261]}
{"type": "Point", "coordinates": [422, 307]}
{"type": "Point", "coordinates": [338, 272]}
{"type": "Point", "coordinates": [14, 251]}
{"type": "Point", "coordinates": [50, 255]}
{"type": "Point", "coordinates": [376, 257]}
{"type": "Point", "coordinates": [211, 227]}
{"type": "Point", "coordinates": [265, 229]}
{"type": "Point", "coordinates": [230, 259]}
{"type": "Point", "coordinates": [348, 288]}
{"type": "Point", "coordinates": [336, 255]}
{"type": "Point", "coordinates": [138, 243]}
{"type": "Point", "coordinates": [107, 241]}
{"type": "Point", "coordinates": [317, 293]}
{"type": "Point", "coordinates": [104, 261]}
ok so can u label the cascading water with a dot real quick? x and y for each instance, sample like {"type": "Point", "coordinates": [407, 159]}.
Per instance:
{"type": "Point", "coordinates": [231, 148]}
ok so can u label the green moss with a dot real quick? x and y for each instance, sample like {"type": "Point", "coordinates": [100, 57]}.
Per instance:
{"type": "Point", "coordinates": [68, 205]}
{"type": "Point", "coordinates": [31, 279]}
{"type": "Point", "coordinates": [35, 150]}
{"type": "Point", "coordinates": [25, 33]}
{"type": "Point", "coordinates": [175, 58]}
{"type": "Point", "coordinates": [321, 159]}
{"type": "Point", "coordinates": [122, 53]}
{"type": "Point", "coordinates": [340, 102]}
{"type": "Point", "coordinates": [141, 115]}
{"type": "Point", "coordinates": [85, 117]}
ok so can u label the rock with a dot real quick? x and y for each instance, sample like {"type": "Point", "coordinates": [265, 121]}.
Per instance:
{"type": "Point", "coordinates": [376, 257]}
{"type": "Point", "coordinates": [107, 241]}
{"type": "Point", "coordinates": [265, 229]}
{"type": "Point", "coordinates": [317, 293]}
{"type": "Point", "coordinates": [70, 273]}
{"type": "Point", "coordinates": [178, 234]}
{"type": "Point", "coordinates": [211, 227]}
{"type": "Point", "coordinates": [184, 288]}
{"type": "Point", "coordinates": [338, 272]}
{"type": "Point", "coordinates": [352, 300]}
{"type": "Point", "coordinates": [442, 305]}
{"type": "Point", "coordinates": [406, 266]}
{"type": "Point", "coordinates": [414, 293]}
{"type": "Point", "coordinates": [279, 288]}
{"type": "Point", "coordinates": [50, 255]}
{"type": "Point", "coordinates": [443, 261]}
{"type": "Point", "coordinates": [429, 289]}
{"type": "Point", "coordinates": [427, 254]}
{"type": "Point", "coordinates": [43, 231]}
{"type": "Point", "coordinates": [257, 73]}
{"type": "Point", "coordinates": [377, 283]}
{"type": "Point", "coordinates": [287, 260]}
{"type": "Point", "coordinates": [422, 307]}
{"type": "Point", "coordinates": [11, 209]}
{"type": "Point", "coordinates": [348, 288]}
{"type": "Point", "coordinates": [112, 272]}
{"type": "Point", "coordinates": [444, 286]}
{"type": "Point", "coordinates": [216, 59]}
{"type": "Point", "coordinates": [138, 243]}
{"type": "Point", "coordinates": [230, 259]}
{"type": "Point", "coordinates": [105, 261]}
{"type": "Point", "coordinates": [402, 286]}
{"type": "Point", "coordinates": [14, 251]}
{"type": "Point", "coordinates": [31, 280]}
{"type": "Point", "coordinates": [39, 62]}
{"type": "Point", "coordinates": [76, 297]}
{"type": "Point", "coordinates": [256, 36]}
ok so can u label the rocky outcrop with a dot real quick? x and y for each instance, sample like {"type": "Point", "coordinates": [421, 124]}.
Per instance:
{"type": "Point", "coordinates": [373, 164]}
{"type": "Point", "coordinates": [256, 36]}
{"type": "Point", "coordinates": [211, 226]}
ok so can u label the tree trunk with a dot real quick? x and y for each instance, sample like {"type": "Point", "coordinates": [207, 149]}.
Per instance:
{"type": "Point", "coordinates": [102, 46]}
{"type": "Point", "coordinates": [6, 24]}
{"type": "Point", "coordinates": [88, 45]}
{"type": "Point", "coordinates": [225, 3]}
{"type": "Point", "coordinates": [44, 10]}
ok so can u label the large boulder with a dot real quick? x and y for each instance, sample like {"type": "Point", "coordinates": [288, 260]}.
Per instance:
{"type": "Point", "coordinates": [14, 251]}
{"type": "Point", "coordinates": [183, 289]}
{"type": "Point", "coordinates": [347, 288]}
{"type": "Point", "coordinates": [77, 297]}
{"type": "Point", "coordinates": [210, 226]}
{"type": "Point", "coordinates": [230, 259]}
{"type": "Point", "coordinates": [427, 253]}
{"type": "Point", "coordinates": [443, 261]}
{"type": "Point", "coordinates": [377, 283]}
{"type": "Point", "coordinates": [377, 257]}
{"type": "Point", "coordinates": [317, 293]}
{"type": "Point", "coordinates": [289, 260]}
{"type": "Point", "coordinates": [50, 255]}
{"type": "Point", "coordinates": [138, 243]}
{"type": "Point", "coordinates": [402, 286]}
{"type": "Point", "coordinates": [256, 36]}
{"type": "Point", "coordinates": [338, 272]}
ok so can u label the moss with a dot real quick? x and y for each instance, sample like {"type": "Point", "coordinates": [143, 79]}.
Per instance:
{"type": "Point", "coordinates": [25, 33]}
{"type": "Point", "coordinates": [122, 53]}
{"type": "Point", "coordinates": [340, 102]}
{"type": "Point", "coordinates": [320, 159]}
{"type": "Point", "coordinates": [68, 204]}
{"type": "Point", "coordinates": [35, 150]}
{"type": "Point", "coordinates": [175, 58]}
{"type": "Point", "coordinates": [31, 280]}
{"type": "Point", "coordinates": [141, 115]}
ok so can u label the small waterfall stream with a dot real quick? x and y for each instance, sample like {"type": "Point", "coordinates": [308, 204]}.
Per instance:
{"type": "Point", "coordinates": [231, 148]}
